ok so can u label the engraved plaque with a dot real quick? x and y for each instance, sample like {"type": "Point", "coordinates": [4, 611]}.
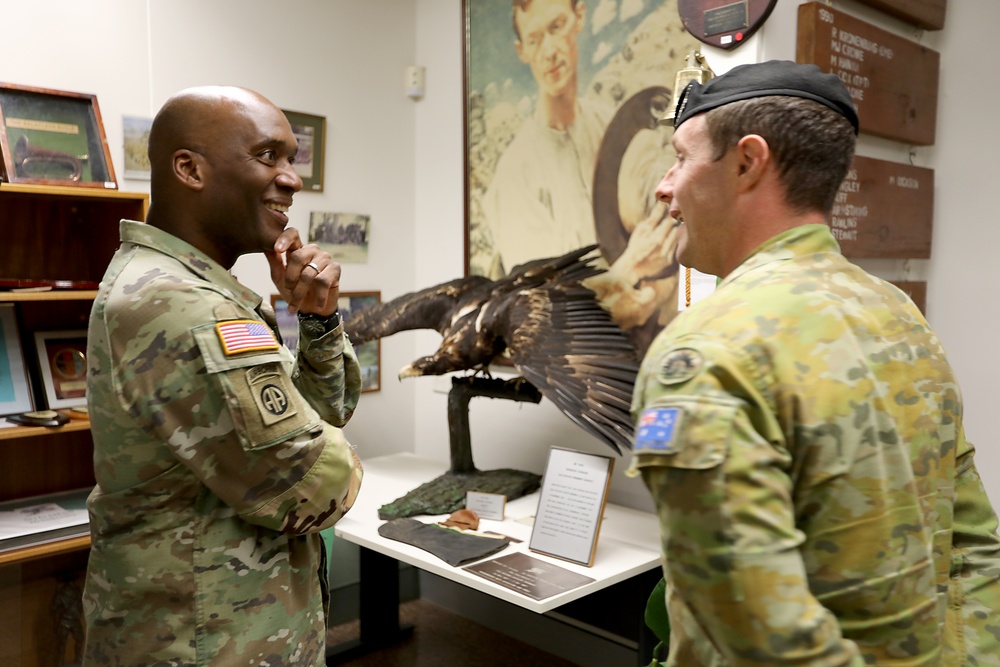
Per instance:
{"type": "Point", "coordinates": [916, 290]}
{"type": "Point", "coordinates": [893, 81]}
{"type": "Point", "coordinates": [884, 209]}
{"type": "Point", "coordinates": [724, 23]}
{"type": "Point", "coordinates": [926, 14]}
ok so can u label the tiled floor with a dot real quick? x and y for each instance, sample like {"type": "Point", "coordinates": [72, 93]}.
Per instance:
{"type": "Point", "coordinates": [443, 639]}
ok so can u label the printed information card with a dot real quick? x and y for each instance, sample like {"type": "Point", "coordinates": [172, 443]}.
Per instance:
{"type": "Point", "coordinates": [571, 504]}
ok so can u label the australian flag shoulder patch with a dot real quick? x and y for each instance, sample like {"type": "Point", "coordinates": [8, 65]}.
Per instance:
{"type": "Point", "coordinates": [658, 430]}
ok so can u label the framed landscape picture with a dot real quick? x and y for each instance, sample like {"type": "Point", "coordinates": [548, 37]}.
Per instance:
{"type": "Point", "coordinates": [370, 353]}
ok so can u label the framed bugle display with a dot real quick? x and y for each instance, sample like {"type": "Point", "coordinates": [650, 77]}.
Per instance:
{"type": "Point", "coordinates": [53, 137]}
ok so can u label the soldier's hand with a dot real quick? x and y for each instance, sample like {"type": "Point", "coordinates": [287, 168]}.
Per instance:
{"type": "Point", "coordinates": [305, 275]}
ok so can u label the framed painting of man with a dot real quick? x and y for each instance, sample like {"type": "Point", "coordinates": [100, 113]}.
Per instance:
{"type": "Point", "coordinates": [557, 91]}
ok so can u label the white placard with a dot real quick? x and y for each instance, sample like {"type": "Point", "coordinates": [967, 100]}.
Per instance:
{"type": "Point", "coordinates": [486, 505]}
{"type": "Point", "coordinates": [571, 504]}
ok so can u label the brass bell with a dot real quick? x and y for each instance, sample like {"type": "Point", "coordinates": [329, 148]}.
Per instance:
{"type": "Point", "coordinates": [697, 70]}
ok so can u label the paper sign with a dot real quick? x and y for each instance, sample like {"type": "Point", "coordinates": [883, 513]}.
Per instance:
{"type": "Point", "coordinates": [486, 505]}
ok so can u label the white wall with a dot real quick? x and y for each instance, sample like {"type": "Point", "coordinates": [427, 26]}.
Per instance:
{"type": "Point", "coordinates": [400, 161]}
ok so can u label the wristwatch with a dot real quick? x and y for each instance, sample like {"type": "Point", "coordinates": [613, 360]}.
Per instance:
{"type": "Point", "coordinates": [318, 325]}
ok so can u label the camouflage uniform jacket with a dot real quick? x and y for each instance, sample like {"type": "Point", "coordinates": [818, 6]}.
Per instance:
{"type": "Point", "coordinates": [800, 431]}
{"type": "Point", "coordinates": [216, 468]}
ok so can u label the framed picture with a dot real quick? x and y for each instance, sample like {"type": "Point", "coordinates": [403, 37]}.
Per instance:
{"type": "Point", "coordinates": [135, 132]}
{"type": "Point", "coordinates": [288, 323]}
{"type": "Point", "coordinates": [343, 235]}
{"type": "Point", "coordinates": [370, 353]}
{"type": "Point", "coordinates": [53, 137]}
{"type": "Point", "coordinates": [310, 130]}
{"type": "Point", "coordinates": [62, 361]}
{"type": "Point", "coordinates": [15, 392]}
{"type": "Point", "coordinates": [544, 177]}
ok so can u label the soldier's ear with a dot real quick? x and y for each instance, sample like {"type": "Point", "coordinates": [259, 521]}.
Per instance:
{"type": "Point", "coordinates": [189, 168]}
{"type": "Point", "coordinates": [753, 156]}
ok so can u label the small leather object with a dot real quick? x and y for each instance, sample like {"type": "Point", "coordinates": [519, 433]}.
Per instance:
{"type": "Point", "coordinates": [452, 547]}
{"type": "Point", "coordinates": [39, 418]}
{"type": "Point", "coordinates": [464, 519]}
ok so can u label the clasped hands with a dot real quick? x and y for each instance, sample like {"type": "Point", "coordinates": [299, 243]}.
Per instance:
{"type": "Point", "coordinates": [305, 275]}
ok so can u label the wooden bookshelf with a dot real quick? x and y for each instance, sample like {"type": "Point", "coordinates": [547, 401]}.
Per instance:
{"type": "Point", "coordinates": [51, 233]}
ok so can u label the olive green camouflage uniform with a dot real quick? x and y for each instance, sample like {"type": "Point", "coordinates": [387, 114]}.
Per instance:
{"type": "Point", "coordinates": [800, 431]}
{"type": "Point", "coordinates": [215, 471]}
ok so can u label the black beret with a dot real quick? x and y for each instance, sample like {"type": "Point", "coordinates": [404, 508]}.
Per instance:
{"type": "Point", "coordinates": [774, 77]}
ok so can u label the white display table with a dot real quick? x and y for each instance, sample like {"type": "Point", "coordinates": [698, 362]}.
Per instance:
{"type": "Point", "coordinates": [628, 545]}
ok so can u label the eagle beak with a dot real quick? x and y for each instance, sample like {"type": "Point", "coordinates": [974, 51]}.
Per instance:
{"type": "Point", "coordinates": [408, 371]}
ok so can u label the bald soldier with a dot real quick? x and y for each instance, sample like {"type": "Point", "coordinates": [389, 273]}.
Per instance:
{"type": "Point", "coordinates": [800, 429]}
{"type": "Point", "coordinates": [219, 457]}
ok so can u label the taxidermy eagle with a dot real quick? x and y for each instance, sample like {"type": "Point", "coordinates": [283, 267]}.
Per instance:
{"type": "Point", "coordinates": [541, 318]}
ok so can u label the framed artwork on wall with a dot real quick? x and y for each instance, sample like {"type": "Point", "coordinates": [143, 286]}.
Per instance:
{"type": "Point", "coordinates": [135, 131]}
{"type": "Point", "coordinates": [310, 130]}
{"type": "Point", "coordinates": [53, 137]}
{"type": "Point", "coordinates": [545, 177]}
{"type": "Point", "coordinates": [288, 323]}
{"type": "Point", "coordinates": [370, 353]}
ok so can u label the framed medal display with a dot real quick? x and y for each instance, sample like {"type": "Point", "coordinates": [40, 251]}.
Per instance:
{"type": "Point", "coordinates": [62, 360]}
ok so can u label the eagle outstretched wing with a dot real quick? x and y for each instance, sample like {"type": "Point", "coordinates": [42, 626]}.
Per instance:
{"type": "Point", "coordinates": [547, 323]}
{"type": "Point", "coordinates": [562, 341]}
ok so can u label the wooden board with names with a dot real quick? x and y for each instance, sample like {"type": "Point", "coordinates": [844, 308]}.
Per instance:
{"type": "Point", "coordinates": [926, 14]}
{"type": "Point", "coordinates": [892, 81]}
{"type": "Point", "coordinates": [884, 209]}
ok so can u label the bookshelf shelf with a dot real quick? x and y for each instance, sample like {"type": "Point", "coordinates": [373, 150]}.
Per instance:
{"type": "Point", "coordinates": [35, 551]}
{"type": "Point", "coordinates": [15, 432]}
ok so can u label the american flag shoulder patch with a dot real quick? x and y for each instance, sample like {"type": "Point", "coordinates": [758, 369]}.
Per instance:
{"type": "Point", "coordinates": [239, 336]}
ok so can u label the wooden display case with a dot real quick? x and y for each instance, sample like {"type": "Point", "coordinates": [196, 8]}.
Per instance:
{"type": "Point", "coordinates": [51, 233]}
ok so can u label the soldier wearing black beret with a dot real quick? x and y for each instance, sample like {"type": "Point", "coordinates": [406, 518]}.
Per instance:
{"type": "Point", "coordinates": [800, 429]}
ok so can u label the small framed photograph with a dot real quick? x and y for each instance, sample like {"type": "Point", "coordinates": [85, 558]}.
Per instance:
{"type": "Point", "coordinates": [135, 132]}
{"type": "Point", "coordinates": [53, 137]}
{"type": "Point", "coordinates": [288, 323]}
{"type": "Point", "coordinates": [15, 392]}
{"type": "Point", "coordinates": [370, 353]}
{"type": "Point", "coordinates": [310, 130]}
{"type": "Point", "coordinates": [343, 235]}
{"type": "Point", "coordinates": [62, 360]}
{"type": "Point", "coordinates": [571, 505]}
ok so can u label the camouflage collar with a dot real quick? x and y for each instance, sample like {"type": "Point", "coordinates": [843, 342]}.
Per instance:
{"type": "Point", "coordinates": [795, 242]}
{"type": "Point", "coordinates": [195, 260]}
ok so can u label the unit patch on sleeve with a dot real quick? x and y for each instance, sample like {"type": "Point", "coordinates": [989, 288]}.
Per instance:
{"type": "Point", "coordinates": [239, 336]}
{"type": "Point", "coordinates": [680, 365]}
{"type": "Point", "coordinates": [271, 393]}
{"type": "Point", "coordinates": [658, 430]}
